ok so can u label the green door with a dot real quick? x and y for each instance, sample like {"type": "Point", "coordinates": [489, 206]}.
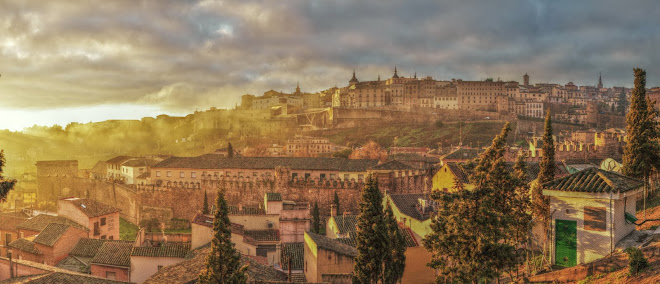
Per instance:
{"type": "Point", "coordinates": [566, 243]}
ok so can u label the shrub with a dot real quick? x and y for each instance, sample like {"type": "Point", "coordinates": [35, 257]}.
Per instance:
{"type": "Point", "coordinates": [636, 259]}
{"type": "Point", "coordinates": [439, 124]}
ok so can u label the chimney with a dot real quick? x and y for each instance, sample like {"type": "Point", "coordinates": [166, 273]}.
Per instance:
{"type": "Point", "coordinates": [333, 210]}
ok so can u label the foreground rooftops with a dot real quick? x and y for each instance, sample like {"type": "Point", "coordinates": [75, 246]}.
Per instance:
{"type": "Point", "coordinates": [594, 180]}
{"type": "Point", "coordinates": [332, 245]}
{"type": "Point", "coordinates": [90, 207]}
{"type": "Point", "coordinates": [257, 163]}
{"type": "Point", "coordinates": [39, 222]}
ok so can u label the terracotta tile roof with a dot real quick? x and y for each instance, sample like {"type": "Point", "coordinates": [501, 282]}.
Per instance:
{"type": "Point", "coordinates": [10, 223]}
{"type": "Point", "coordinates": [348, 241]}
{"type": "Point", "coordinates": [463, 171]}
{"type": "Point", "coordinates": [273, 196]}
{"type": "Point", "coordinates": [594, 180]}
{"type": "Point", "coordinates": [270, 235]}
{"type": "Point", "coordinates": [332, 245]}
{"type": "Point", "coordinates": [409, 237]}
{"type": "Point", "coordinates": [408, 204]}
{"type": "Point", "coordinates": [294, 251]}
{"type": "Point", "coordinates": [294, 163]}
{"type": "Point", "coordinates": [207, 221]}
{"type": "Point", "coordinates": [49, 235]}
{"type": "Point", "coordinates": [91, 207]}
{"type": "Point", "coordinates": [165, 250]}
{"type": "Point", "coordinates": [25, 245]}
{"type": "Point", "coordinates": [100, 168]}
{"type": "Point", "coordinates": [87, 247]}
{"type": "Point", "coordinates": [188, 270]}
{"type": "Point", "coordinates": [144, 175]}
{"type": "Point", "coordinates": [118, 160]}
{"type": "Point", "coordinates": [62, 277]}
{"type": "Point", "coordinates": [346, 223]}
{"type": "Point", "coordinates": [39, 222]}
{"type": "Point", "coordinates": [140, 163]}
{"type": "Point", "coordinates": [392, 166]}
{"type": "Point", "coordinates": [77, 264]}
{"type": "Point", "coordinates": [246, 211]}
{"type": "Point", "coordinates": [114, 253]}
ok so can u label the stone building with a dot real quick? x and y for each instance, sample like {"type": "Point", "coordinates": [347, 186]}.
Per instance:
{"type": "Point", "coordinates": [50, 246]}
{"type": "Point", "coordinates": [306, 146]}
{"type": "Point", "coordinates": [479, 95]}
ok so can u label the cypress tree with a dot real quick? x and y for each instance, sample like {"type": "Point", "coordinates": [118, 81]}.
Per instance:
{"type": "Point", "coordinates": [230, 150]}
{"type": "Point", "coordinates": [205, 209]}
{"type": "Point", "coordinates": [336, 202]}
{"type": "Point", "coordinates": [622, 105]}
{"type": "Point", "coordinates": [642, 153]}
{"type": "Point", "coordinates": [5, 184]}
{"type": "Point", "coordinates": [316, 227]}
{"type": "Point", "coordinates": [371, 240]}
{"type": "Point", "coordinates": [395, 257]}
{"type": "Point", "coordinates": [540, 203]}
{"type": "Point", "coordinates": [223, 263]}
{"type": "Point", "coordinates": [470, 226]}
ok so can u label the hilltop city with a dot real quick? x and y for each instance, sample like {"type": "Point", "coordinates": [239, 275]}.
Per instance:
{"type": "Point", "coordinates": [298, 187]}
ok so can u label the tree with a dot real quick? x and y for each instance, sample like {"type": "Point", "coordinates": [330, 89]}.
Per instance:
{"type": "Point", "coordinates": [371, 240]}
{"type": "Point", "coordinates": [336, 202]}
{"type": "Point", "coordinates": [370, 150]}
{"type": "Point", "coordinates": [230, 150]}
{"type": "Point", "coordinates": [316, 227]}
{"type": "Point", "coordinates": [521, 215]}
{"type": "Point", "coordinates": [468, 229]}
{"type": "Point", "coordinates": [345, 153]}
{"type": "Point", "coordinates": [622, 104]}
{"type": "Point", "coordinates": [642, 152]}
{"type": "Point", "coordinates": [5, 184]}
{"type": "Point", "coordinates": [540, 203]}
{"type": "Point", "coordinates": [205, 209]}
{"type": "Point", "coordinates": [395, 257]}
{"type": "Point", "coordinates": [223, 263]}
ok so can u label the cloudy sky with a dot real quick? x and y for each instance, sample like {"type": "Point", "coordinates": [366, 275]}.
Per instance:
{"type": "Point", "coordinates": [64, 61]}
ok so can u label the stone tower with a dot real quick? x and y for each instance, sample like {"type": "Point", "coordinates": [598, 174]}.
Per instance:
{"type": "Point", "coordinates": [526, 79]}
{"type": "Point", "coordinates": [600, 81]}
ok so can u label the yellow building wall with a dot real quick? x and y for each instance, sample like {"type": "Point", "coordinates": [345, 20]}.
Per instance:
{"type": "Point", "coordinates": [420, 228]}
{"type": "Point", "coordinates": [444, 178]}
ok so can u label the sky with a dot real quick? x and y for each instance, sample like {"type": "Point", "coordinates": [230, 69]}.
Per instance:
{"type": "Point", "coordinates": [64, 61]}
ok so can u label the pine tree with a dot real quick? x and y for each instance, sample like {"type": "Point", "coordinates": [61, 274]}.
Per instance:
{"type": "Point", "coordinates": [205, 209]}
{"type": "Point", "coordinates": [5, 184]}
{"type": "Point", "coordinates": [336, 202]}
{"type": "Point", "coordinates": [395, 257]}
{"type": "Point", "coordinates": [223, 263]}
{"type": "Point", "coordinates": [230, 150]}
{"type": "Point", "coordinates": [316, 219]}
{"type": "Point", "coordinates": [642, 152]}
{"type": "Point", "coordinates": [371, 240]}
{"type": "Point", "coordinates": [469, 226]}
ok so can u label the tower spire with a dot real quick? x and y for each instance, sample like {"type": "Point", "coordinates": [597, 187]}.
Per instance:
{"type": "Point", "coordinates": [395, 73]}
{"type": "Point", "coordinates": [600, 81]}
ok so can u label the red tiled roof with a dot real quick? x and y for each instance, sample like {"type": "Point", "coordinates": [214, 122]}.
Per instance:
{"type": "Point", "coordinates": [91, 207]}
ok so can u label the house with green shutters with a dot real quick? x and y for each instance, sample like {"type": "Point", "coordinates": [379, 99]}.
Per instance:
{"type": "Point", "coordinates": [591, 210]}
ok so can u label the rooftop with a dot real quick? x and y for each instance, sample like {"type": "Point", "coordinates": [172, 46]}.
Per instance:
{"type": "Point", "coordinates": [87, 247]}
{"type": "Point", "coordinates": [273, 196]}
{"type": "Point", "coordinates": [51, 234]}
{"type": "Point", "coordinates": [346, 223]}
{"type": "Point", "coordinates": [393, 165]}
{"type": "Point", "coordinates": [594, 180]}
{"type": "Point", "coordinates": [25, 245]}
{"type": "Point", "coordinates": [140, 163]}
{"type": "Point", "coordinates": [462, 171]}
{"type": "Point", "coordinates": [61, 277]}
{"type": "Point", "coordinates": [463, 154]}
{"type": "Point", "coordinates": [165, 250]}
{"type": "Point", "coordinates": [332, 245]}
{"type": "Point", "coordinates": [294, 251]}
{"type": "Point", "coordinates": [39, 222]}
{"type": "Point", "coordinates": [114, 253]}
{"type": "Point", "coordinates": [294, 163]}
{"type": "Point", "coordinates": [408, 204]}
{"type": "Point", "coordinates": [270, 235]}
{"type": "Point", "coordinates": [91, 208]}
{"type": "Point", "coordinates": [188, 270]}
{"type": "Point", "coordinates": [10, 223]}
{"type": "Point", "coordinates": [118, 160]}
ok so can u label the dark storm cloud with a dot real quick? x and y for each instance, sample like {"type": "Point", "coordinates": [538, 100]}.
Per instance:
{"type": "Point", "coordinates": [182, 55]}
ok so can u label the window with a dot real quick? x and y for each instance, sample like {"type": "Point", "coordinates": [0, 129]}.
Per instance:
{"type": "Point", "coordinates": [22, 235]}
{"type": "Point", "coordinates": [103, 221]}
{"type": "Point", "coordinates": [182, 174]}
{"type": "Point", "coordinates": [595, 218]}
{"type": "Point", "coordinates": [157, 173]}
{"type": "Point", "coordinates": [169, 173]}
{"type": "Point", "coordinates": [103, 237]}
{"type": "Point", "coordinates": [294, 175]}
{"type": "Point", "coordinates": [346, 177]}
{"type": "Point", "coordinates": [111, 275]}
{"type": "Point", "coordinates": [159, 267]}
{"type": "Point", "coordinates": [228, 173]}
{"type": "Point", "coordinates": [111, 238]}
{"type": "Point", "coordinates": [193, 174]}
{"type": "Point", "coordinates": [8, 239]}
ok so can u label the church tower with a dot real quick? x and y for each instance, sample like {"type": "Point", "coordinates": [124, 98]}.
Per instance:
{"type": "Point", "coordinates": [353, 80]}
{"type": "Point", "coordinates": [395, 74]}
{"type": "Point", "coordinates": [298, 89]}
{"type": "Point", "coordinates": [526, 79]}
{"type": "Point", "coordinates": [600, 81]}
